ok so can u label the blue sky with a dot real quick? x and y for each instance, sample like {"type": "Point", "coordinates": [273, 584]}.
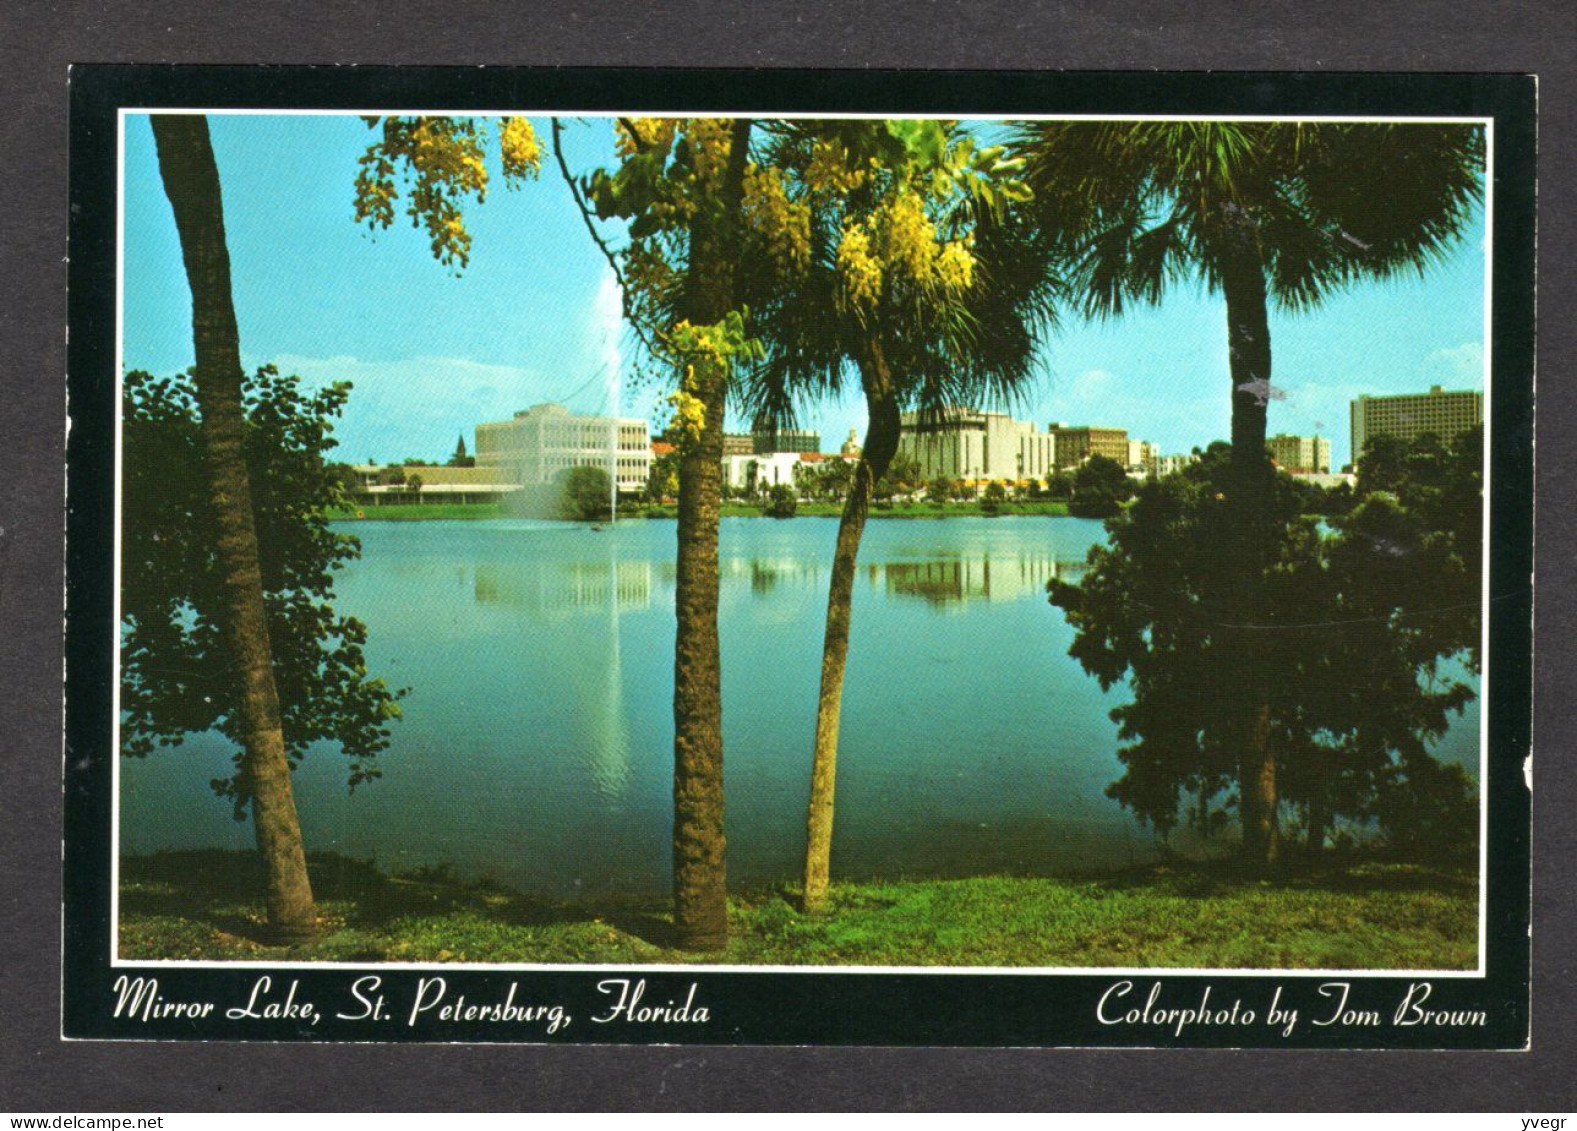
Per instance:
{"type": "Point", "coordinates": [534, 317]}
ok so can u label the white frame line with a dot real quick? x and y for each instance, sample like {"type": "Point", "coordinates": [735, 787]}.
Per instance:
{"type": "Point", "coordinates": [116, 962]}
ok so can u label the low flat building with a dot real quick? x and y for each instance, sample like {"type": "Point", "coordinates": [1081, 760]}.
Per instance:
{"type": "Point", "coordinates": [381, 486]}
{"type": "Point", "coordinates": [1166, 465]}
{"type": "Point", "coordinates": [1077, 444]}
{"type": "Point", "coordinates": [1445, 415]}
{"type": "Point", "coordinates": [976, 446]}
{"type": "Point", "coordinates": [761, 472]}
{"type": "Point", "coordinates": [545, 440]}
{"type": "Point", "coordinates": [1326, 479]}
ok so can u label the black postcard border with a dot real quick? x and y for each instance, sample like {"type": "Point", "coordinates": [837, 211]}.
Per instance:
{"type": "Point", "coordinates": [821, 1008]}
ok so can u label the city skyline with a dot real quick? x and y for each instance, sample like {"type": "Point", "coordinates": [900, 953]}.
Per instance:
{"type": "Point", "coordinates": [534, 318]}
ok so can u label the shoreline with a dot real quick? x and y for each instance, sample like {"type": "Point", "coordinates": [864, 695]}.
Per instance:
{"type": "Point", "coordinates": [426, 512]}
{"type": "Point", "coordinates": [1343, 913]}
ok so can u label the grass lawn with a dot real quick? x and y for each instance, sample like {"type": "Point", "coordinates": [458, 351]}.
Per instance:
{"type": "Point", "coordinates": [206, 905]}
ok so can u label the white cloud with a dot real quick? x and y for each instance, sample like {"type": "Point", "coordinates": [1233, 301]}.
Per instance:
{"type": "Point", "coordinates": [1090, 383]}
{"type": "Point", "coordinates": [418, 406]}
{"type": "Point", "coordinates": [1463, 363]}
{"type": "Point", "coordinates": [1164, 411]}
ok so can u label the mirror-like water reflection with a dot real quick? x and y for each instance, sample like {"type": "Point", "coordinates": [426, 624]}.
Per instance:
{"type": "Point", "coordinates": [537, 743]}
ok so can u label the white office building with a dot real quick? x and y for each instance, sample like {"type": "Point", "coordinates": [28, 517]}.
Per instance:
{"type": "Point", "coordinates": [977, 446]}
{"type": "Point", "coordinates": [545, 440]}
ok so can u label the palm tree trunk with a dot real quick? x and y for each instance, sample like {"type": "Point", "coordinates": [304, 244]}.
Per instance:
{"type": "Point", "coordinates": [881, 444]}
{"type": "Point", "coordinates": [700, 870]}
{"type": "Point", "coordinates": [191, 181]}
{"type": "Point", "coordinates": [1252, 485]}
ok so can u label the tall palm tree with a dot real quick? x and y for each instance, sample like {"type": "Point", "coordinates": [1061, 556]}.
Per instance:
{"type": "Point", "coordinates": [191, 181]}
{"type": "Point", "coordinates": [679, 183]}
{"type": "Point", "coordinates": [699, 866]}
{"type": "Point", "coordinates": [1258, 212]}
{"type": "Point", "coordinates": [913, 281]}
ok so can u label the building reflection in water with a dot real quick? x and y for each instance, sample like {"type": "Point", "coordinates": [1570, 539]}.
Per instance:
{"type": "Point", "coordinates": [610, 748]}
{"type": "Point", "coordinates": [983, 578]}
{"type": "Point", "coordinates": [570, 597]}
{"type": "Point", "coordinates": [554, 591]}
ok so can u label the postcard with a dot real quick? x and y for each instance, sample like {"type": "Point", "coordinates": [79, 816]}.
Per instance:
{"type": "Point", "coordinates": [664, 557]}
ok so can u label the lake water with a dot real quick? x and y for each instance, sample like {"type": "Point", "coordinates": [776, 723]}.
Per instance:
{"type": "Point", "coordinates": [536, 747]}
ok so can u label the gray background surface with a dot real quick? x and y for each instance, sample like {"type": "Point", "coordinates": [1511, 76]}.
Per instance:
{"type": "Point", "coordinates": [37, 43]}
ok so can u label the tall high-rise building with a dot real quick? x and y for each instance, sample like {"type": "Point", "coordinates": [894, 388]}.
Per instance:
{"type": "Point", "coordinates": [1300, 454]}
{"type": "Point", "coordinates": [1445, 415]}
{"type": "Point", "coordinates": [1141, 456]}
{"type": "Point", "coordinates": [738, 444]}
{"type": "Point", "coordinates": [544, 440]}
{"type": "Point", "coordinates": [968, 444]}
{"type": "Point", "coordinates": [769, 440]}
{"type": "Point", "coordinates": [1075, 445]}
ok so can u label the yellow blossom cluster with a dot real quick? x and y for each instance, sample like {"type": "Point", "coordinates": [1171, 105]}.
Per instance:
{"type": "Point", "coordinates": [898, 244]}
{"type": "Point", "coordinates": [828, 172]}
{"type": "Point", "coordinates": [689, 412]}
{"type": "Point", "coordinates": [443, 157]}
{"type": "Point", "coordinates": [647, 272]}
{"type": "Point", "coordinates": [782, 225]}
{"type": "Point", "coordinates": [859, 274]}
{"type": "Point", "coordinates": [906, 236]}
{"type": "Point", "coordinates": [955, 266]}
{"type": "Point", "coordinates": [519, 148]}
{"type": "Point", "coordinates": [709, 140]}
{"type": "Point", "coordinates": [447, 155]}
{"type": "Point", "coordinates": [635, 135]}
{"type": "Point", "coordinates": [708, 345]}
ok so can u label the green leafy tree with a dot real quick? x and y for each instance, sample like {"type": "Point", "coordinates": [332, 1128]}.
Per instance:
{"type": "Point", "coordinates": [346, 478]}
{"type": "Point", "coordinates": [662, 482]}
{"type": "Point", "coordinates": [1363, 630]}
{"type": "Point", "coordinates": [995, 495]}
{"type": "Point", "coordinates": [176, 675]}
{"type": "Point", "coordinates": [1059, 485]}
{"type": "Point", "coordinates": [903, 478]}
{"type": "Point", "coordinates": [939, 490]}
{"type": "Point", "coordinates": [584, 493]}
{"type": "Point", "coordinates": [1099, 488]}
{"type": "Point", "coordinates": [781, 502]}
{"type": "Point", "coordinates": [834, 478]}
{"type": "Point", "coordinates": [1258, 212]}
